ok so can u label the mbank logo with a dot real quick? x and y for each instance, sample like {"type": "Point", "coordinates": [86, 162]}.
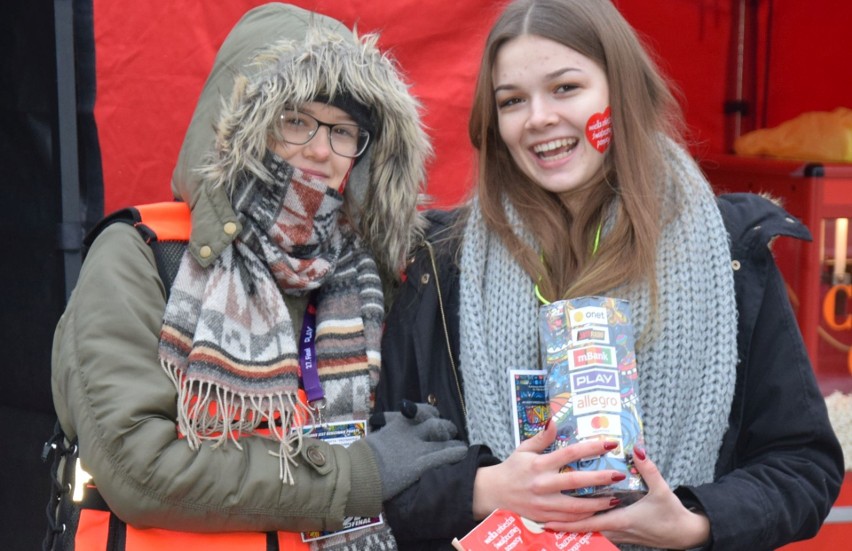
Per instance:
{"type": "Point", "coordinates": [588, 356]}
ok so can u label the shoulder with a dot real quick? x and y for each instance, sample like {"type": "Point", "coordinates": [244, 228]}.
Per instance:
{"type": "Point", "coordinates": [433, 257]}
{"type": "Point", "coordinates": [119, 260]}
{"type": "Point", "coordinates": [444, 223]}
{"type": "Point", "coordinates": [754, 220]}
{"type": "Point", "coordinates": [117, 243]}
{"type": "Point", "coordinates": [440, 244]}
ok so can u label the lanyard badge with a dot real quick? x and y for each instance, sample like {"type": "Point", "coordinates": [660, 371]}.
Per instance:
{"type": "Point", "coordinates": [308, 355]}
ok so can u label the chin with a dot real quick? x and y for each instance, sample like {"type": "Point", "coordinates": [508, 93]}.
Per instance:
{"type": "Point", "coordinates": [560, 188]}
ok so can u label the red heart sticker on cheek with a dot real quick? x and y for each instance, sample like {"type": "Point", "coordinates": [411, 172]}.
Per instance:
{"type": "Point", "coordinates": [599, 130]}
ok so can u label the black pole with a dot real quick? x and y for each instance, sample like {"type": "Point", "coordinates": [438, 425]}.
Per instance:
{"type": "Point", "coordinates": [70, 230]}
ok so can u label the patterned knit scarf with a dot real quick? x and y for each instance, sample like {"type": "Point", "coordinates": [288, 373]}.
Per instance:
{"type": "Point", "coordinates": [686, 366]}
{"type": "Point", "coordinates": [227, 338]}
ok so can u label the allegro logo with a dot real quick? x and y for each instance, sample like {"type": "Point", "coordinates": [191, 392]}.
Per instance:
{"type": "Point", "coordinates": [597, 401]}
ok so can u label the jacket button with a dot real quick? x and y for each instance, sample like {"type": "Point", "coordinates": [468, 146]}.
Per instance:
{"type": "Point", "coordinates": [735, 264]}
{"type": "Point", "coordinates": [230, 228]}
{"type": "Point", "coordinates": [424, 279]}
{"type": "Point", "coordinates": [316, 456]}
{"type": "Point", "coordinates": [205, 251]}
{"type": "Point", "coordinates": [432, 399]}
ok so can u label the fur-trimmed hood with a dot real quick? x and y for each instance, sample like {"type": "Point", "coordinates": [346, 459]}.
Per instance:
{"type": "Point", "coordinates": [280, 55]}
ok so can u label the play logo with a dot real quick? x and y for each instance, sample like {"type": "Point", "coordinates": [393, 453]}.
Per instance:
{"type": "Point", "coordinates": [594, 379]}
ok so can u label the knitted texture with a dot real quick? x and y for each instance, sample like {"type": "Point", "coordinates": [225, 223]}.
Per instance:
{"type": "Point", "coordinates": [686, 356]}
{"type": "Point", "coordinates": [406, 446]}
{"type": "Point", "coordinates": [227, 338]}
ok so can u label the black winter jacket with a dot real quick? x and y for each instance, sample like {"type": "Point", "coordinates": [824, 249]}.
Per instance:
{"type": "Point", "coordinates": [780, 466]}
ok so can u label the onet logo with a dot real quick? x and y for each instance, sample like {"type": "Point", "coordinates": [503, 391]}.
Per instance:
{"type": "Point", "coordinates": [590, 314]}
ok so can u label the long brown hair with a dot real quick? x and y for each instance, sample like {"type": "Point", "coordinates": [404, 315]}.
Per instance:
{"type": "Point", "coordinates": [642, 109]}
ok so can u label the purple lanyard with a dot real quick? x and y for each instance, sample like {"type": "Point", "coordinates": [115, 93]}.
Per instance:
{"type": "Point", "coordinates": [308, 353]}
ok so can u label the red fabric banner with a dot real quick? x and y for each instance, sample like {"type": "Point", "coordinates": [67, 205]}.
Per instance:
{"type": "Point", "coordinates": [153, 58]}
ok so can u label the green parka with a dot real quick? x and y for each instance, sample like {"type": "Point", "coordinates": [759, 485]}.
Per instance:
{"type": "Point", "coordinates": [109, 389]}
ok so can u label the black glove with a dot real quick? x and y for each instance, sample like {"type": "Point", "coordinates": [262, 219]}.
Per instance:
{"type": "Point", "coordinates": [411, 442]}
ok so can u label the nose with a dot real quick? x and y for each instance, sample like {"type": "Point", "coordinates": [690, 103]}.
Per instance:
{"type": "Point", "coordinates": [319, 147]}
{"type": "Point", "coordinates": [541, 114]}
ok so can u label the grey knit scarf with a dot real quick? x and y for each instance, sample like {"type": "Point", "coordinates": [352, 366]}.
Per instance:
{"type": "Point", "coordinates": [687, 364]}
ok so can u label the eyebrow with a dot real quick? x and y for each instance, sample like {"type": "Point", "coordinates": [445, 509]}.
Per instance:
{"type": "Point", "coordinates": [313, 112]}
{"type": "Point", "coordinates": [549, 76]}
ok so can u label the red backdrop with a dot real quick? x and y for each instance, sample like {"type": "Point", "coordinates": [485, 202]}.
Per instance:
{"type": "Point", "coordinates": [153, 58]}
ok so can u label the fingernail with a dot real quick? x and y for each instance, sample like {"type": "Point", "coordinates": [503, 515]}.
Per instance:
{"type": "Point", "coordinates": [639, 453]}
{"type": "Point", "coordinates": [547, 425]}
{"type": "Point", "coordinates": [618, 477]}
{"type": "Point", "coordinates": [610, 445]}
{"type": "Point", "coordinates": [614, 502]}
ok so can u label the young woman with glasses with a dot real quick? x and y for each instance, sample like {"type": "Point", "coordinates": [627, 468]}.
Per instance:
{"type": "Point", "coordinates": [193, 405]}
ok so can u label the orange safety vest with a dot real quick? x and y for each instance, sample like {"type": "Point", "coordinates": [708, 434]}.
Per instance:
{"type": "Point", "coordinates": [98, 528]}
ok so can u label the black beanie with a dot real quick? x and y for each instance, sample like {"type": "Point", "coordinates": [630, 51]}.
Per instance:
{"type": "Point", "coordinates": [359, 112]}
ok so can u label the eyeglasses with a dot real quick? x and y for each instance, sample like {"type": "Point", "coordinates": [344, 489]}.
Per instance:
{"type": "Point", "coordinates": [297, 128]}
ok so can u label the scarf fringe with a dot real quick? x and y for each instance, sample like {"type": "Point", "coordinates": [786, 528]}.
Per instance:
{"type": "Point", "coordinates": [208, 412]}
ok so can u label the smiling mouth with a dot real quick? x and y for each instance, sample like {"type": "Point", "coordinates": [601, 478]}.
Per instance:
{"type": "Point", "coordinates": [315, 174]}
{"type": "Point", "coordinates": [555, 149]}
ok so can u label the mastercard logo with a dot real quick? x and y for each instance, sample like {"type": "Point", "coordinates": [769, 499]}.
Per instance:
{"type": "Point", "coordinates": [599, 422]}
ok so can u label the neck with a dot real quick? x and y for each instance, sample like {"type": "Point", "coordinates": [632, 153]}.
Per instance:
{"type": "Point", "coordinates": [576, 199]}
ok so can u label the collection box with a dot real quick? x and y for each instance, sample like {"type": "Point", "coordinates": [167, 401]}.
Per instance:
{"type": "Point", "coordinates": [592, 385]}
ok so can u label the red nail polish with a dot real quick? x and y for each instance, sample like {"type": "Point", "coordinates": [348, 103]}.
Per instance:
{"type": "Point", "coordinates": [618, 477]}
{"type": "Point", "coordinates": [614, 502]}
{"type": "Point", "coordinates": [547, 425]}
{"type": "Point", "coordinates": [639, 453]}
{"type": "Point", "coordinates": [610, 445]}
